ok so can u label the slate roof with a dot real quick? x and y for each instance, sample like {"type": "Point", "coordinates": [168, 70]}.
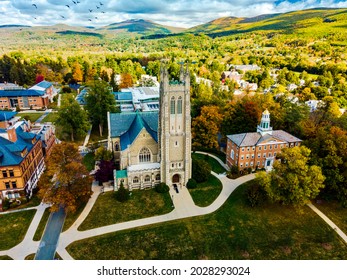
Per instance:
{"type": "Point", "coordinates": [6, 115]}
{"type": "Point", "coordinates": [254, 138]}
{"type": "Point", "coordinates": [127, 126]}
{"type": "Point", "coordinates": [10, 152]}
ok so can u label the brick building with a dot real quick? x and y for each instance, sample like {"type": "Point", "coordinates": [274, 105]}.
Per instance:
{"type": "Point", "coordinates": [21, 161]}
{"type": "Point", "coordinates": [36, 97]}
{"type": "Point", "coordinates": [258, 149]}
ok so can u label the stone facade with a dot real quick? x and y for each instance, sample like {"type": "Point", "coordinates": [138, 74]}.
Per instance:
{"type": "Point", "coordinates": [154, 147]}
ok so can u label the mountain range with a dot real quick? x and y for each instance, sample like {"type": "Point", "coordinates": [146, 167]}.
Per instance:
{"type": "Point", "coordinates": [313, 20]}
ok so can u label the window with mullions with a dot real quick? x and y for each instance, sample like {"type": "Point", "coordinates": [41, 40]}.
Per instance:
{"type": "Point", "coordinates": [147, 178]}
{"type": "Point", "coordinates": [136, 180]}
{"type": "Point", "coordinates": [172, 105]}
{"type": "Point", "coordinates": [179, 105]}
{"type": "Point", "coordinates": [145, 155]}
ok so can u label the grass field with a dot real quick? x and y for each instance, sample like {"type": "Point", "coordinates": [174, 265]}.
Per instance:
{"type": "Point", "coordinates": [72, 217]}
{"type": "Point", "coordinates": [30, 116]}
{"type": "Point", "coordinates": [5, 258]}
{"type": "Point", "coordinates": [206, 192]}
{"type": "Point", "coordinates": [335, 212]}
{"type": "Point", "coordinates": [14, 227]}
{"type": "Point", "coordinates": [51, 117]}
{"type": "Point", "coordinates": [235, 231]}
{"type": "Point", "coordinates": [216, 167]}
{"type": "Point", "coordinates": [142, 204]}
{"type": "Point", "coordinates": [41, 227]}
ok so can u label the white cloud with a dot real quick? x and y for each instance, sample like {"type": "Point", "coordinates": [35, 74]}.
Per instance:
{"type": "Point", "coordinates": [176, 13]}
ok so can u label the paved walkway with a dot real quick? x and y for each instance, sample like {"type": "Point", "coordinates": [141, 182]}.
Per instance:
{"type": "Point", "coordinates": [27, 246]}
{"type": "Point", "coordinates": [184, 207]}
{"type": "Point", "coordinates": [226, 167]}
{"type": "Point", "coordinates": [329, 222]}
{"type": "Point", "coordinates": [49, 240]}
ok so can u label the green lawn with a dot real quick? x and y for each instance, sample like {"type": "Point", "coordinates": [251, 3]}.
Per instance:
{"type": "Point", "coordinates": [5, 258]}
{"type": "Point", "coordinates": [206, 192]}
{"type": "Point", "coordinates": [142, 204]}
{"type": "Point", "coordinates": [32, 257]}
{"type": "Point", "coordinates": [72, 217]}
{"type": "Point", "coordinates": [30, 116]}
{"type": "Point", "coordinates": [335, 212]}
{"type": "Point", "coordinates": [51, 117]}
{"type": "Point", "coordinates": [235, 231]}
{"type": "Point", "coordinates": [14, 227]}
{"type": "Point", "coordinates": [216, 167]}
{"type": "Point", "coordinates": [41, 226]}
{"type": "Point", "coordinates": [218, 154]}
{"type": "Point", "coordinates": [89, 161]}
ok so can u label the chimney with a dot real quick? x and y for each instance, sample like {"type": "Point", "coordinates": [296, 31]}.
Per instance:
{"type": "Point", "coordinates": [12, 135]}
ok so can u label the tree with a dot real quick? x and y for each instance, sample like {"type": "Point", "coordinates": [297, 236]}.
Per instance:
{"type": "Point", "coordinates": [161, 188]}
{"type": "Point", "coordinates": [201, 170]}
{"type": "Point", "coordinates": [192, 184]}
{"type": "Point", "coordinates": [72, 119]}
{"type": "Point", "coordinates": [77, 72]}
{"type": "Point", "coordinates": [66, 182]}
{"type": "Point", "coordinates": [206, 127]}
{"type": "Point", "coordinates": [126, 81]}
{"type": "Point", "coordinates": [102, 153]}
{"type": "Point", "coordinates": [105, 171]}
{"type": "Point", "coordinates": [292, 181]}
{"type": "Point", "coordinates": [122, 194]}
{"type": "Point", "coordinates": [99, 101]}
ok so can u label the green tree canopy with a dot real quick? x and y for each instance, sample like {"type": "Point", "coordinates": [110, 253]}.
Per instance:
{"type": "Point", "coordinates": [72, 120]}
{"type": "Point", "coordinates": [293, 180]}
{"type": "Point", "coordinates": [99, 101]}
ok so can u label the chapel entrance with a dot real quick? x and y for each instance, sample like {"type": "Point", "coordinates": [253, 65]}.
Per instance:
{"type": "Point", "coordinates": [176, 178]}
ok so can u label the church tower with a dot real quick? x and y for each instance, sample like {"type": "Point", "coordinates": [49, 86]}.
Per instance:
{"type": "Point", "coordinates": [175, 128]}
{"type": "Point", "coordinates": [264, 126]}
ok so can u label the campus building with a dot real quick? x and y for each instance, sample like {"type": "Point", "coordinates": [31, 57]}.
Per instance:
{"type": "Point", "coordinates": [258, 149]}
{"type": "Point", "coordinates": [21, 161]}
{"type": "Point", "coordinates": [153, 147]}
{"type": "Point", "coordinates": [36, 97]}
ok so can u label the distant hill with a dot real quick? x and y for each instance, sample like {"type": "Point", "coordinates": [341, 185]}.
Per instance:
{"type": "Point", "coordinates": [13, 26]}
{"type": "Point", "coordinates": [306, 21]}
{"type": "Point", "coordinates": [140, 26]}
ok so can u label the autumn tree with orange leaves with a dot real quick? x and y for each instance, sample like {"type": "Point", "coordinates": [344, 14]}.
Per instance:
{"type": "Point", "coordinates": [66, 182]}
{"type": "Point", "coordinates": [206, 127]}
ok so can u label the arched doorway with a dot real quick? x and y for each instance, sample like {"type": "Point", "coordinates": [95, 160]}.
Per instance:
{"type": "Point", "coordinates": [176, 178]}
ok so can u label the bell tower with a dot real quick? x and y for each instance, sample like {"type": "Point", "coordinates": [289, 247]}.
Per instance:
{"type": "Point", "coordinates": [264, 126]}
{"type": "Point", "coordinates": [175, 128]}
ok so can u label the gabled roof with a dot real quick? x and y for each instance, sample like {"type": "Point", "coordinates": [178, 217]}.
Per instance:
{"type": "Point", "coordinates": [10, 152]}
{"type": "Point", "coordinates": [127, 126]}
{"type": "Point", "coordinates": [6, 115]}
{"type": "Point", "coordinates": [43, 85]}
{"type": "Point", "coordinates": [255, 138]}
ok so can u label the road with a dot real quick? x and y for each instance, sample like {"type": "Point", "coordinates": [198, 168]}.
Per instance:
{"type": "Point", "coordinates": [49, 241]}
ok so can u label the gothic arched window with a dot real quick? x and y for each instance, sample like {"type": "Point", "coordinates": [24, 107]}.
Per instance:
{"type": "Point", "coordinates": [172, 105]}
{"type": "Point", "coordinates": [179, 105]}
{"type": "Point", "coordinates": [145, 155]}
{"type": "Point", "coordinates": [157, 177]}
{"type": "Point", "coordinates": [136, 180]}
{"type": "Point", "coordinates": [147, 178]}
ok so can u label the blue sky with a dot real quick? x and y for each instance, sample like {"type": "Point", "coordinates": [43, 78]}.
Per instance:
{"type": "Point", "coordinates": [180, 13]}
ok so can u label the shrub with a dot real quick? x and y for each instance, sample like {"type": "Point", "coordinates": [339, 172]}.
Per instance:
{"type": "Point", "coordinates": [201, 170]}
{"type": "Point", "coordinates": [192, 184]}
{"type": "Point", "coordinates": [162, 188]}
{"type": "Point", "coordinates": [256, 195]}
{"type": "Point", "coordinates": [122, 194]}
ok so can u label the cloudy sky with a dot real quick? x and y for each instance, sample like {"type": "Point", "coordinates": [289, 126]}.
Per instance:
{"type": "Point", "coordinates": [181, 13]}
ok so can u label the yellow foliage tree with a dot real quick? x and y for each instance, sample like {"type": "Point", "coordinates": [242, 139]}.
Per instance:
{"type": "Point", "coordinates": [206, 127]}
{"type": "Point", "coordinates": [66, 182]}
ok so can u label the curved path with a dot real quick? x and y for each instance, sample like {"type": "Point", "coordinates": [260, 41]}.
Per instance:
{"type": "Point", "coordinates": [184, 208]}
